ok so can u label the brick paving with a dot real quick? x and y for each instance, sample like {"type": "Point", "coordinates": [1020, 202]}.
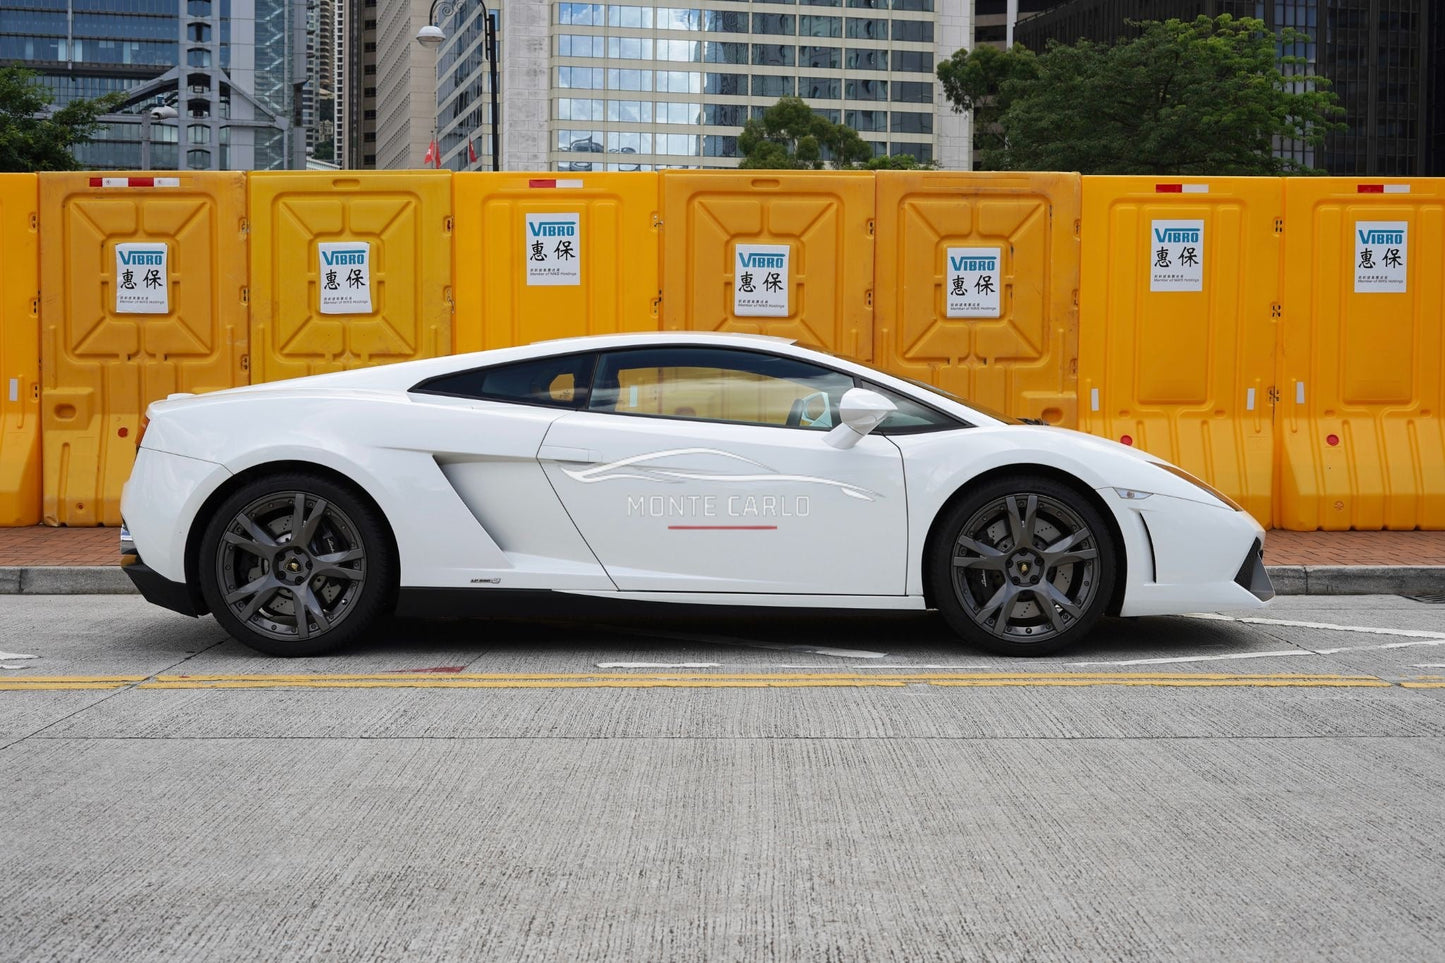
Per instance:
{"type": "Point", "coordinates": [39, 545]}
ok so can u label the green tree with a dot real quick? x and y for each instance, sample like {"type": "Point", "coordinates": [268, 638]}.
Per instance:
{"type": "Point", "coordinates": [790, 136]}
{"type": "Point", "coordinates": [32, 139]}
{"type": "Point", "coordinates": [1207, 97]}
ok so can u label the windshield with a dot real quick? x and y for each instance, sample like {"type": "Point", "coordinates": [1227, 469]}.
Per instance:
{"type": "Point", "coordinates": [933, 389]}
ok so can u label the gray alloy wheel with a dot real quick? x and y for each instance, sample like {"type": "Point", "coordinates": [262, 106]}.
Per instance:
{"type": "Point", "coordinates": [294, 565]}
{"type": "Point", "coordinates": [1024, 567]}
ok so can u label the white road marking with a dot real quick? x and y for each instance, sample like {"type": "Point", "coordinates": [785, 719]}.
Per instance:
{"type": "Point", "coordinates": [1428, 665]}
{"type": "Point", "coordinates": [1387, 645]}
{"type": "Point", "coordinates": [17, 655]}
{"type": "Point", "coordinates": [659, 665]}
{"type": "Point", "coordinates": [901, 666]}
{"type": "Point", "coordinates": [1294, 623]}
{"type": "Point", "coordinates": [17, 666]}
{"type": "Point", "coordinates": [1204, 658]}
{"type": "Point", "coordinates": [778, 647]}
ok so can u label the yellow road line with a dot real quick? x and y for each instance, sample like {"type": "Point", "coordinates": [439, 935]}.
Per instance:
{"type": "Point", "coordinates": [695, 680]}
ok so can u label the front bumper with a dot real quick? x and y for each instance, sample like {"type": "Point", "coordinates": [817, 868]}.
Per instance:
{"type": "Point", "coordinates": [1252, 575]}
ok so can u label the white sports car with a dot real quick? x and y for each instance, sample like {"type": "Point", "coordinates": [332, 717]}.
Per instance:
{"type": "Point", "coordinates": [678, 469]}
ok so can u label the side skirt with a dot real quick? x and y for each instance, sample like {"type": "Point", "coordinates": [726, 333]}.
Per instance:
{"type": "Point", "coordinates": [502, 603]}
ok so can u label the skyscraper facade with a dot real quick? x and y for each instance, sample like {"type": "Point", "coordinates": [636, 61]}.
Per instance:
{"type": "Point", "coordinates": [232, 70]}
{"type": "Point", "coordinates": [646, 85]}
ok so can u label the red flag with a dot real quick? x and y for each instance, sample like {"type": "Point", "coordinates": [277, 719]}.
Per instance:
{"type": "Point", "coordinates": [431, 158]}
{"type": "Point", "coordinates": [471, 151]}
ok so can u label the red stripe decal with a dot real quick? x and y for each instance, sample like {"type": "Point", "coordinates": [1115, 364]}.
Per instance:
{"type": "Point", "coordinates": [542, 182]}
{"type": "Point", "coordinates": [95, 182]}
{"type": "Point", "coordinates": [722, 528]}
{"type": "Point", "coordinates": [142, 181]}
{"type": "Point", "coordinates": [1370, 188]}
{"type": "Point", "coordinates": [1168, 188]}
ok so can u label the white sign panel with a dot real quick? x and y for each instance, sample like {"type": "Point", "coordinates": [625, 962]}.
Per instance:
{"type": "Point", "coordinates": [973, 282]}
{"type": "Point", "coordinates": [1380, 255]}
{"type": "Point", "coordinates": [1176, 256]}
{"type": "Point", "coordinates": [760, 281]}
{"type": "Point", "coordinates": [141, 280]}
{"type": "Point", "coordinates": [554, 249]}
{"type": "Point", "coordinates": [345, 277]}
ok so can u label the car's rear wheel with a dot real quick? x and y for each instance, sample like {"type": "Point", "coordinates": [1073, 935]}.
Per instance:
{"type": "Point", "coordinates": [1023, 566]}
{"type": "Point", "coordinates": [295, 564]}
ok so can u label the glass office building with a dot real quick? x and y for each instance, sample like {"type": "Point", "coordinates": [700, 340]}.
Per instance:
{"type": "Point", "coordinates": [646, 86]}
{"type": "Point", "coordinates": [227, 67]}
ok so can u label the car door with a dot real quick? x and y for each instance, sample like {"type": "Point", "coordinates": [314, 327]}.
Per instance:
{"type": "Point", "coordinates": [701, 469]}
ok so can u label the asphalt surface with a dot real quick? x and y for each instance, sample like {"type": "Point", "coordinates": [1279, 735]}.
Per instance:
{"type": "Point", "coordinates": [847, 789]}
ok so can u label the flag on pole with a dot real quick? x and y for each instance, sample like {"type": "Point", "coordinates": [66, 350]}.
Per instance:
{"type": "Point", "coordinates": [471, 151]}
{"type": "Point", "coordinates": [430, 160]}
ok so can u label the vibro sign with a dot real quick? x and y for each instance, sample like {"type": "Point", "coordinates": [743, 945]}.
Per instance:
{"type": "Point", "coordinates": [1176, 255]}
{"type": "Point", "coordinates": [345, 277]}
{"type": "Point", "coordinates": [972, 282]}
{"type": "Point", "coordinates": [1381, 256]}
{"type": "Point", "coordinates": [761, 287]}
{"type": "Point", "coordinates": [553, 248]}
{"type": "Point", "coordinates": [142, 281]}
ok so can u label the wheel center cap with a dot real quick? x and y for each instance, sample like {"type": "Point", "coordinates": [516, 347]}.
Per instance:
{"type": "Point", "coordinates": [293, 567]}
{"type": "Point", "coordinates": [1025, 567]}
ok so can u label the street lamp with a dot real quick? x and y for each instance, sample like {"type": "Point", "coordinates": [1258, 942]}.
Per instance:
{"type": "Point", "coordinates": [163, 112]}
{"type": "Point", "coordinates": [432, 36]}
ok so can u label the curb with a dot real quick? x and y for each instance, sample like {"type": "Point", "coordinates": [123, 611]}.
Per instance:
{"type": "Point", "coordinates": [1288, 580]}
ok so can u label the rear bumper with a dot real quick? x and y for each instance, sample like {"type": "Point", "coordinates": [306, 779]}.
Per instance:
{"type": "Point", "coordinates": [159, 590]}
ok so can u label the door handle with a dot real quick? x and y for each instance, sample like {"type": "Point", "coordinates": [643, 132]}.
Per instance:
{"type": "Point", "coordinates": [563, 453]}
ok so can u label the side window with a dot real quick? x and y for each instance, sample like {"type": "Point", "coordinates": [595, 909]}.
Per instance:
{"type": "Point", "coordinates": [719, 384]}
{"type": "Point", "coordinates": [911, 416]}
{"type": "Point", "coordinates": [559, 382]}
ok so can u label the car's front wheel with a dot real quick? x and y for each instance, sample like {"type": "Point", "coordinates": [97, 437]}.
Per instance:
{"type": "Point", "coordinates": [1023, 566]}
{"type": "Point", "coordinates": [294, 564]}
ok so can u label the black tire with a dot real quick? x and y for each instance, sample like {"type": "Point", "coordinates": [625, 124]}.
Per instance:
{"type": "Point", "coordinates": [289, 599]}
{"type": "Point", "coordinates": [1022, 566]}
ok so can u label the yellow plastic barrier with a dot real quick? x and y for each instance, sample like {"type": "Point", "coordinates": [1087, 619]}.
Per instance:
{"type": "Point", "coordinates": [977, 276]}
{"type": "Point", "coordinates": [19, 352]}
{"type": "Point", "coordinates": [1362, 373]}
{"type": "Point", "coordinates": [771, 252]}
{"type": "Point", "coordinates": [142, 294]}
{"type": "Point", "coordinates": [540, 256]}
{"type": "Point", "coordinates": [348, 270]}
{"type": "Point", "coordinates": [1177, 324]}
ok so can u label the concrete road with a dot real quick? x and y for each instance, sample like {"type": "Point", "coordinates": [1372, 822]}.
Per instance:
{"type": "Point", "coordinates": [850, 789]}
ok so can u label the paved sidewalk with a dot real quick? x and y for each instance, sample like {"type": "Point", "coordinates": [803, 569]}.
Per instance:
{"type": "Point", "coordinates": [41, 560]}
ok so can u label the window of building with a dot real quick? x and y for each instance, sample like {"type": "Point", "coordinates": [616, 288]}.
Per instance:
{"type": "Point", "coordinates": [628, 79]}
{"type": "Point", "coordinates": [912, 92]}
{"type": "Point", "coordinates": [865, 59]}
{"type": "Point", "coordinates": [725, 21]}
{"type": "Point", "coordinates": [865, 89]}
{"type": "Point", "coordinates": [914, 61]}
{"type": "Point", "coordinates": [913, 31]}
{"type": "Point", "coordinates": [717, 52]}
{"type": "Point", "coordinates": [814, 26]}
{"type": "Point", "coordinates": [719, 145]}
{"type": "Point", "coordinates": [580, 14]}
{"type": "Point", "coordinates": [725, 84]}
{"type": "Point", "coordinates": [828, 58]}
{"type": "Point", "coordinates": [774, 23]}
{"type": "Point", "coordinates": [866, 28]}
{"type": "Point", "coordinates": [724, 115]}
{"type": "Point", "coordinates": [923, 153]}
{"type": "Point", "coordinates": [905, 122]}
{"type": "Point", "coordinates": [820, 88]}
{"type": "Point", "coordinates": [630, 111]}
{"type": "Point", "coordinates": [771, 85]}
{"type": "Point", "coordinates": [773, 54]}
{"type": "Point", "coordinates": [866, 120]}
{"type": "Point", "coordinates": [579, 45]}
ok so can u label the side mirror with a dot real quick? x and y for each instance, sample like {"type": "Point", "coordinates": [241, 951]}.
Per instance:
{"type": "Point", "coordinates": [860, 411]}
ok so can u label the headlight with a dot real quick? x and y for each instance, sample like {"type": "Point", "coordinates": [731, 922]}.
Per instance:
{"type": "Point", "coordinates": [1181, 473]}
